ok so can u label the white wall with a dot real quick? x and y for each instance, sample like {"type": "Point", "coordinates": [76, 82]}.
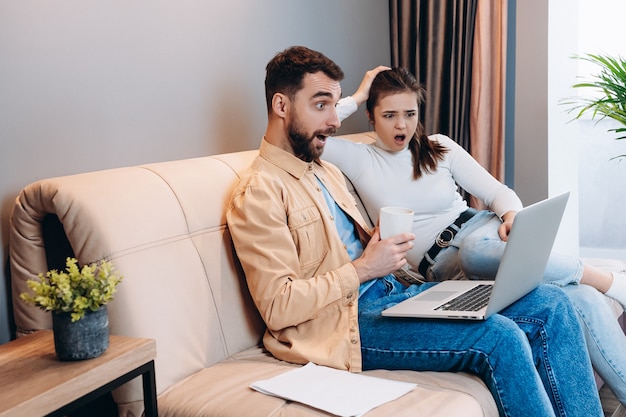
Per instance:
{"type": "Point", "coordinates": [553, 153]}
{"type": "Point", "coordinates": [94, 84]}
{"type": "Point", "coordinates": [544, 160]}
{"type": "Point", "coordinates": [562, 135]}
{"type": "Point", "coordinates": [602, 180]}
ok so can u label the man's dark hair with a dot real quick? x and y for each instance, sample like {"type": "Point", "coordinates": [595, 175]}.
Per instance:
{"type": "Point", "coordinates": [284, 73]}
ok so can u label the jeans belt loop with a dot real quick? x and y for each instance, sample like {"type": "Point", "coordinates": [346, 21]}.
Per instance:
{"type": "Point", "coordinates": [443, 240]}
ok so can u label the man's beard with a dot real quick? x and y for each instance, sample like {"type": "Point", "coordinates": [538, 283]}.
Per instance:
{"type": "Point", "coordinates": [302, 143]}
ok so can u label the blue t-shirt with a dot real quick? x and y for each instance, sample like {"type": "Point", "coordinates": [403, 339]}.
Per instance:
{"type": "Point", "coordinates": [347, 233]}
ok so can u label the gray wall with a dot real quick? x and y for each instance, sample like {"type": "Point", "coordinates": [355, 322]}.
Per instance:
{"type": "Point", "coordinates": [88, 85]}
{"type": "Point", "coordinates": [530, 147]}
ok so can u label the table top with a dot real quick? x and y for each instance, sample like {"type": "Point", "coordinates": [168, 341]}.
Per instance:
{"type": "Point", "coordinates": [35, 382]}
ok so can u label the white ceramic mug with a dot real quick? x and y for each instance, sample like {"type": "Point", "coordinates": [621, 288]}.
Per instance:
{"type": "Point", "coordinates": [394, 221]}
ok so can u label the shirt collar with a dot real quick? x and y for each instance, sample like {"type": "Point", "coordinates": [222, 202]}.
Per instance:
{"type": "Point", "coordinates": [285, 160]}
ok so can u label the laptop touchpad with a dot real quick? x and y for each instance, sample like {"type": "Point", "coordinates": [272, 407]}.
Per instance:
{"type": "Point", "coordinates": [435, 296]}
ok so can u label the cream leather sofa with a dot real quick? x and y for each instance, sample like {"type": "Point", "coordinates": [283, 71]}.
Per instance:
{"type": "Point", "coordinates": [163, 226]}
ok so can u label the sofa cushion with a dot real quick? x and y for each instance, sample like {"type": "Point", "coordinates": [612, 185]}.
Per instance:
{"type": "Point", "coordinates": [437, 394]}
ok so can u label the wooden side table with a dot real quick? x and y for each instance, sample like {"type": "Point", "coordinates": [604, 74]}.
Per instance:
{"type": "Point", "coordinates": [35, 383]}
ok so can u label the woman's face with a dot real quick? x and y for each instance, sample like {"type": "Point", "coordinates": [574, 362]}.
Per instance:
{"type": "Point", "coordinates": [395, 119]}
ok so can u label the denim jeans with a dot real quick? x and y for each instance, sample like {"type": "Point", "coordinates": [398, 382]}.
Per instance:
{"type": "Point", "coordinates": [531, 356]}
{"type": "Point", "coordinates": [475, 252]}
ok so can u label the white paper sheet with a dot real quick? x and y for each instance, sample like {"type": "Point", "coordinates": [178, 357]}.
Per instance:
{"type": "Point", "coordinates": [341, 393]}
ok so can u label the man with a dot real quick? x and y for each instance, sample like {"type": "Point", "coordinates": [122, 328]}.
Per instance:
{"type": "Point", "coordinates": [320, 278]}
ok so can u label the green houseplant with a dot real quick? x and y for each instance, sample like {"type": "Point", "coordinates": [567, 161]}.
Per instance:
{"type": "Point", "coordinates": [77, 298]}
{"type": "Point", "coordinates": [609, 86]}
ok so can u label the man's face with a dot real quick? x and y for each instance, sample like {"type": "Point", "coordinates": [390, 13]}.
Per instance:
{"type": "Point", "coordinates": [313, 116]}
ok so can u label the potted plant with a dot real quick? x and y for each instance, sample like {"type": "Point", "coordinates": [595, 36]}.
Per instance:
{"type": "Point", "coordinates": [609, 86]}
{"type": "Point", "coordinates": [77, 298]}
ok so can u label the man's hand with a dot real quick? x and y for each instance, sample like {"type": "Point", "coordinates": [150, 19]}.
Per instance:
{"type": "Point", "coordinates": [382, 257]}
{"type": "Point", "coordinates": [363, 92]}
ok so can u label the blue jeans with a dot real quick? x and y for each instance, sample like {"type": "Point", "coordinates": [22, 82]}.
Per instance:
{"type": "Point", "coordinates": [475, 252]}
{"type": "Point", "coordinates": [531, 356]}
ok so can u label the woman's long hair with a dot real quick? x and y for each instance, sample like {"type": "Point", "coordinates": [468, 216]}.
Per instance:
{"type": "Point", "coordinates": [426, 153]}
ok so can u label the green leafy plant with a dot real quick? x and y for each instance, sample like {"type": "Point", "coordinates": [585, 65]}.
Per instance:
{"type": "Point", "coordinates": [610, 87]}
{"type": "Point", "coordinates": [74, 289]}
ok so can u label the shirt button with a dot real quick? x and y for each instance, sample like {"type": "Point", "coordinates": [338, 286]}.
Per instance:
{"type": "Point", "coordinates": [354, 341]}
{"type": "Point", "coordinates": [349, 296]}
{"type": "Point", "coordinates": [352, 329]}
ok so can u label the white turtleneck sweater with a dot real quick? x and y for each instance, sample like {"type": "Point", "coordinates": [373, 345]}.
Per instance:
{"type": "Point", "coordinates": [385, 178]}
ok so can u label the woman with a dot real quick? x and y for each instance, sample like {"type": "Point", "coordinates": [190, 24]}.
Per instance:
{"type": "Point", "coordinates": [404, 167]}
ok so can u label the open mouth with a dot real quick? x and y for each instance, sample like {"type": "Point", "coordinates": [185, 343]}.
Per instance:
{"type": "Point", "coordinates": [400, 138]}
{"type": "Point", "coordinates": [322, 135]}
{"type": "Point", "coordinates": [322, 138]}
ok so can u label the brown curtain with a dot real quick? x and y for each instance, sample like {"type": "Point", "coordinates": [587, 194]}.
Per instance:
{"type": "Point", "coordinates": [433, 39]}
{"type": "Point", "coordinates": [456, 50]}
{"type": "Point", "coordinates": [487, 110]}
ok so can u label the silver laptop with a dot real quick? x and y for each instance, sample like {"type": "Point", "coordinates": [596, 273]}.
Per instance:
{"type": "Point", "coordinates": [521, 270]}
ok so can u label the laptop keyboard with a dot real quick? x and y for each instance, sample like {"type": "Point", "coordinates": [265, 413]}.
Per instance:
{"type": "Point", "coordinates": [472, 300]}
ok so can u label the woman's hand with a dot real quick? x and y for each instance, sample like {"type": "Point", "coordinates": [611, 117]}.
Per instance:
{"type": "Point", "coordinates": [507, 222]}
{"type": "Point", "coordinates": [363, 92]}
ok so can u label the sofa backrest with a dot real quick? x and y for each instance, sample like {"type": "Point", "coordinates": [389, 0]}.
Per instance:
{"type": "Point", "coordinates": [163, 226]}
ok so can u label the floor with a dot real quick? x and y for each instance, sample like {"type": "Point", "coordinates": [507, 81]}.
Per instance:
{"type": "Point", "coordinates": [610, 405]}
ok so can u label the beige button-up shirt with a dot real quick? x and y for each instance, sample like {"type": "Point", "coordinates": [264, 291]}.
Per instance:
{"type": "Point", "coordinates": [299, 274]}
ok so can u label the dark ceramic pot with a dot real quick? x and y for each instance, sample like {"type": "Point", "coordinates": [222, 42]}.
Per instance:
{"type": "Point", "coordinates": [83, 339]}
